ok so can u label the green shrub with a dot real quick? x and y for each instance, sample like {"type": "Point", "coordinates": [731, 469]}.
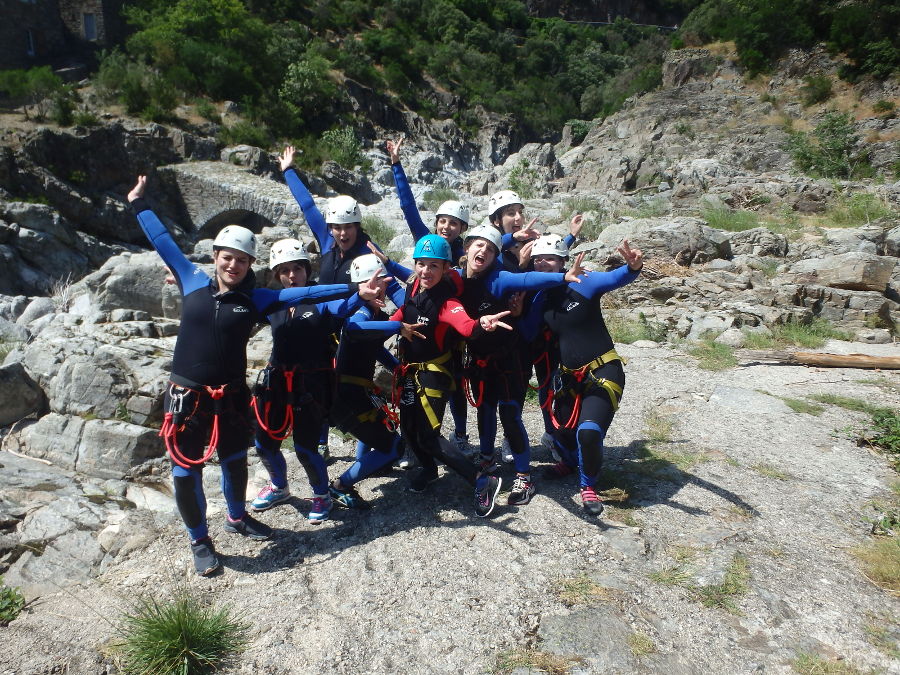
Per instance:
{"type": "Point", "coordinates": [711, 355]}
{"type": "Point", "coordinates": [11, 603]}
{"type": "Point", "coordinates": [181, 637]}
{"type": "Point", "coordinates": [85, 118]}
{"type": "Point", "coordinates": [207, 110]}
{"type": "Point", "coordinates": [246, 133]}
{"type": "Point", "coordinates": [36, 88]}
{"type": "Point", "coordinates": [62, 108]}
{"type": "Point", "coordinates": [883, 107]}
{"type": "Point", "coordinates": [815, 89]}
{"type": "Point", "coordinates": [724, 218]}
{"type": "Point", "coordinates": [524, 179]}
{"type": "Point", "coordinates": [378, 230]}
{"type": "Point", "coordinates": [830, 149]}
{"type": "Point", "coordinates": [858, 209]}
{"type": "Point", "coordinates": [342, 146]}
{"type": "Point", "coordinates": [580, 129]}
{"type": "Point", "coordinates": [431, 199]}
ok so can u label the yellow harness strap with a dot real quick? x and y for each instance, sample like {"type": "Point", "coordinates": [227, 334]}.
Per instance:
{"type": "Point", "coordinates": [352, 379]}
{"type": "Point", "coordinates": [434, 366]}
{"type": "Point", "coordinates": [612, 388]}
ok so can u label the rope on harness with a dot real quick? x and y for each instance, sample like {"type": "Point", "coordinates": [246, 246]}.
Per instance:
{"type": "Point", "coordinates": [613, 389]}
{"type": "Point", "coordinates": [391, 419]}
{"type": "Point", "coordinates": [169, 430]}
{"type": "Point", "coordinates": [285, 429]}
{"type": "Point", "coordinates": [467, 385]}
{"type": "Point", "coordinates": [545, 357]}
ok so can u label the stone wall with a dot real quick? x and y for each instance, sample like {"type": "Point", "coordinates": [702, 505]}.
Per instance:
{"type": "Point", "coordinates": [106, 19]}
{"type": "Point", "coordinates": [41, 18]}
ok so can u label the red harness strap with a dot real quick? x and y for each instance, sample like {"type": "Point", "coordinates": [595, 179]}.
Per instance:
{"type": "Point", "coordinates": [169, 432]}
{"type": "Point", "coordinates": [579, 375]}
{"type": "Point", "coordinates": [285, 429]}
{"type": "Point", "coordinates": [467, 385]}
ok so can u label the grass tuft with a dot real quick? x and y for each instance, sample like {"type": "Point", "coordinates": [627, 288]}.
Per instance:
{"type": "Point", "coordinates": [724, 595]}
{"type": "Point", "coordinates": [812, 335]}
{"type": "Point", "coordinates": [671, 576]}
{"type": "Point", "coordinates": [800, 406]}
{"type": "Point", "coordinates": [767, 470]}
{"type": "Point", "coordinates": [581, 590]}
{"type": "Point", "coordinates": [880, 560]}
{"type": "Point", "coordinates": [812, 664]}
{"type": "Point", "coordinates": [432, 199]}
{"type": "Point", "coordinates": [626, 332]}
{"type": "Point", "coordinates": [641, 644]}
{"type": "Point", "coordinates": [713, 356]}
{"type": "Point", "coordinates": [180, 637]}
{"type": "Point", "coordinates": [724, 218]}
{"type": "Point", "coordinates": [533, 659]}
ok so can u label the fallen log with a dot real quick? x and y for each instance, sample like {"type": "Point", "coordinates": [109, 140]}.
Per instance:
{"type": "Point", "coordinates": [821, 360]}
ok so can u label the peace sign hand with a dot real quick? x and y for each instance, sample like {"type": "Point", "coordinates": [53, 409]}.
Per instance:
{"type": "Point", "coordinates": [634, 257]}
{"type": "Point", "coordinates": [393, 149]}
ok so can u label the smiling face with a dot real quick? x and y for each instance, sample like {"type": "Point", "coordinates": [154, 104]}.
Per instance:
{"type": "Point", "coordinates": [430, 271]}
{"type": "Point", "coordinates": [480, 255]}
{"type": "Point", "coordinates": [231, 267]}
{"type": "Point", "coordinates": [448, 227]}
{"type": "Point", "coordinates": [512, 218]}
{"type": "Point", "coordinates": [548, 263]}
{"type": "Point", "coordinates": [344, 235]}
{"type": "Point", "coordinates": [292, 274]}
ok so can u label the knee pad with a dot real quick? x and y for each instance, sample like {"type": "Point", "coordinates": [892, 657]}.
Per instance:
{"type": "Point", "coordinates": [589, 434]}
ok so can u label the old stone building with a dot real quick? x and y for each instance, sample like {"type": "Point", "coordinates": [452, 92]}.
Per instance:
{"type": "Point", "coordinates": [37, 32]}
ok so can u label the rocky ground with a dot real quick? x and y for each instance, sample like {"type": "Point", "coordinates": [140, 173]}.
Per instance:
{"type": "Point", "coordinates": [738, 487]}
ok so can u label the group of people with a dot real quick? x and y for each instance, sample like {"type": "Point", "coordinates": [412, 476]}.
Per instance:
{"type": "Point", "coordinates": [482, 307]}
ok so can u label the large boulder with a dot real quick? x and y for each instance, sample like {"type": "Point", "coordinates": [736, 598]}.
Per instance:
{"type": "Point", "coordinates": [688, 240]}
{"type": "Point", "coordinates": [127, 281]}
{"type": "Point", "coordinates": [348, 183]}
{"type": "Point", "coordinates": [759, 241]}
{"type": "Point", "coordinates": [854, 271]}
{"type": "Point", "coordinates": [19, 394]}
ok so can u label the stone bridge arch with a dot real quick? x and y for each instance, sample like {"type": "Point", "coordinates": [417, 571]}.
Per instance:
{"type": "Point", "coordinates": [214, 194]}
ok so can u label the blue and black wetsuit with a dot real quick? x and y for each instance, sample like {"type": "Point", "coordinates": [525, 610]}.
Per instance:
{"type": "Point", "coordinates": [419, 229]}
{"type": "Point", "coordinates": [493, 362]}
{"type": "Point", "coordinates": [359, 407]}
{"type": "Point", "coordinates": [300, 376]}
{"type": "Point", "coordinates": [591, 377]}
{"type": "Point", "coordinates": [211, 351]}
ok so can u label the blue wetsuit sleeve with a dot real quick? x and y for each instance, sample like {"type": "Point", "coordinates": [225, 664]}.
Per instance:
{"type": "Point", "coordinates": [187, 274]}
{"type": "Point", "coordinates": [387, 359]}
{"type": "Point", "coordinates": [597, 283]}
{"type": "Point", "coordinates": [530, 322]}
{"type": "Point", "coordinates": [408, 203]}
{"type": "Point", "coordinates": [397, 270]}
{"type": "Point", "coordinates": [511, 282]}
{"type": "Point", "coordinates": [268, 301]}
{"type": "Point", "coordinates": [569, 241]}
{"type": "Point", "coordinates": [385, 328]}
{"type": "Point", "coordinates": [396, 293]}
{"type": "Point", "coordinates": [342, 308]}
{"type": "Point", "coordinates": [314, 217]}
{"type": "Point", "coordinates": [507, 241]}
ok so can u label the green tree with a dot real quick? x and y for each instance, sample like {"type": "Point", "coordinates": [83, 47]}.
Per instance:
{"type": "Point", "coordinates": [35, 88]}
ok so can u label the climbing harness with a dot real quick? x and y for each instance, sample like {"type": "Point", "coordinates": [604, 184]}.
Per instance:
{"type": "Point", "coordinates": [411, 372]}
{"type": "Point", "coordinates": [585, 372]}
{"type": "Point", "coordinates": [177, 417]}
{"type": "Point", "coordinates": [391, 419]}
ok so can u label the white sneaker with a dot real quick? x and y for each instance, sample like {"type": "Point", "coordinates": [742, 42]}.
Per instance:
{"type": "Point", "coordinates": [506, 452]}
{"type": "Point", "coordinates": [548, 442]}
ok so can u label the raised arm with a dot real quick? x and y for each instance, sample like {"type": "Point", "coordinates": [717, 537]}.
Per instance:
{"type": "Point", "coordinates": [417, 226]}
{"type": "Point", "coordinates": [314, 217]}
{"type": "Point", "coordinates": [182, 269]}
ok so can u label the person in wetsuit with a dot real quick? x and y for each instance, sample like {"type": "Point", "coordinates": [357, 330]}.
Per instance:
{"type": "Point", "coordinates": [207, 400]}
{"type": "Point", "coordinates": [591, 378]}
{"type": "Point", "coordinates": [294, 392]}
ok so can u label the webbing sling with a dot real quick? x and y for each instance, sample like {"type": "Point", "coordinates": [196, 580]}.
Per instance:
{"type": "Point", "coordinates": [433, 366]}
{"type": "Point", "coordinates": [391, 419]}
{"type": "Point", "coordinates": [169, 429]}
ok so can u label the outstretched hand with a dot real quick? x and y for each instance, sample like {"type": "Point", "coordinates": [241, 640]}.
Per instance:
{"type": "Point", "coordinates": [528, 232]}
{"type": "Point", "coordinates": [576, 270]}
{"type": "Point", "coordinates": [410, 330]}
{"type": "Point", "coordinates": [286, 158]}
{"type": "Point", "coordinates": [393, 149]}
{"type": "Point", "coordinates": [138, 190]}
{"type": "Point", "coordinates": [634, 257]}
{"type": "Point", "coordinates": [491, 322]}
{"type": "Point", "coordinates": [525, 254]}
{"type": "Point", "coordinates": [373, 289]}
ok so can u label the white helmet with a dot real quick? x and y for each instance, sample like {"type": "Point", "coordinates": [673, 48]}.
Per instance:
{"type": "Point", "coordinates": [454, 209]}
{"type": "Point", "coordinates": [488, 232]}
{"type": "Point", "coordinates": [236, 237]}
{"type": "Point", "coordinates": [550, 244]}
{"type": "Point", "coordinates": [342, 210]}
{"type": "Point", "coordinates": [287, 250]}
{"type": "Point", "coordinates": [364, 266]}
{"type": "Point", "coordinates": [503, 198]}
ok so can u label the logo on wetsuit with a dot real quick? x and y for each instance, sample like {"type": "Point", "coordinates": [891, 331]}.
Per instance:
{"type": "Point", "coordinates": [483, 306]}
{"type": "Point", "coordinates": [240, 309]}
{"type": "Point", "coordinates": [571, 306]}
{"type": "Point", "coordinates": [422, 320]}
{"type": "Point", "coordinates": [306, 315]}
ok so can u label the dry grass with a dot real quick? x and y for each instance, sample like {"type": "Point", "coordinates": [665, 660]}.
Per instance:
{"type": "Point", "coordinates": [880, 560]}
{"type": "Point", "coordinates": [812, 664]}
{"type": "Point", "coordinates": [641, 644]}
{"type": "Point", "coordinates": [581, 590]}
{"type": "Point", "coordinates": [530, 658]}
{"type": "Point", "coordinates": [769, 471]}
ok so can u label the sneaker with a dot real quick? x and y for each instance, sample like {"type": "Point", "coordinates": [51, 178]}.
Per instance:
{"type": "Point", "coordinates": [506, 452]}
{"type": "Point", "coordinates": [324, 451]}
{"type": "Point", "coordinates": [549, 442]}
{"type": "Point", "coordinates": [205, 560]}
{"type": "Point", "coordinates": [461, 441]}
{"type": "Point", "coordinates": [248, 526]}
{"type": "Point", "coordinates": [404, 463]}
{"type": "Point", "coordinates": [557, 471]}
{"type": "Point", "coordinates": [421, 479]}
{"type": "Point", "coordinates": [321, 507]}
{"type": "Point", "coordinates": [486, 497]}
{"type": "Point", "coordinates": [269, 496]}
{"type": "Point", "coordinates": [591, 502]}
{"type": "Point", "coordinates": [349, 498]}
{"type": "Point", "coordinates": [522, 490]}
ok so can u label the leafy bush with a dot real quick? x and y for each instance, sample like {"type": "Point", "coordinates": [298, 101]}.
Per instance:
{"type": "Point", "coordinates": [35, 88]}
{"type": "Point", "coordinates": [815, 89]}
{"type": "Point", "coordinates": [724, 218]}
{"type": "Point", "coordinates": [829, 150]}
{"type": "Point", "coordinates": [11, 603]}
{"type": "Point", "coordinates": [181, 637]}
{"type": "Point", "coordinates": [62, 108]}
{"type": "Point", "coordinates": [343, 147]}
{"type": "Point", "coordinates": [246, 133]}
{"type": "Point", "coordinates": [208, 111]}
{"type": "Point", "coordinates": [883, 107]}
{"type": "Point", "coordinates": [524, 179]}
{"type": "Point", "coordinates": [85, 118]}
{"type": "Point", "coordinates": [433, 198]}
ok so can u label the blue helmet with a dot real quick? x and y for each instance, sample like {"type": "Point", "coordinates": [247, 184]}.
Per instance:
{"type": "Point", "coordinates": [432, 246]}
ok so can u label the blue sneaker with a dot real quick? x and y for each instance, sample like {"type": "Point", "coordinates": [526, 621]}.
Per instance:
{"type": "Point", "coordinates": [321, 507]}
{"type": "Point", "coordinates": [269, 496]}
{"type": "Point", "coordinates": [347, 497]}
